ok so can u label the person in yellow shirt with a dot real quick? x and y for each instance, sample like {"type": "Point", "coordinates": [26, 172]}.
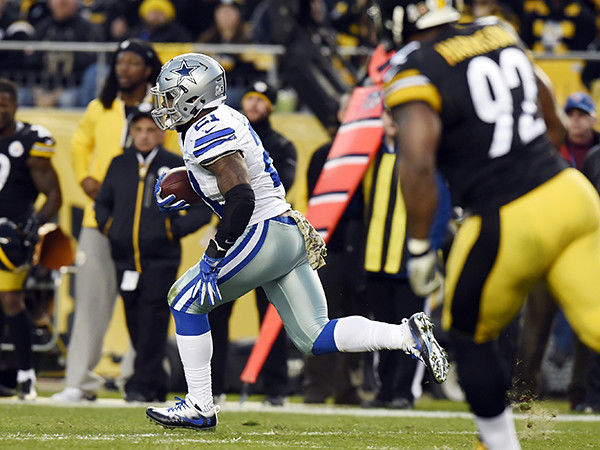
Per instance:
{"type": "Point", "coordinates": [101, 135]}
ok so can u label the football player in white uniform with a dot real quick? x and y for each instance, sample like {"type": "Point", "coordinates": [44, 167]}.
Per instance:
{"type": "Point", "coordinates": [260, 241]}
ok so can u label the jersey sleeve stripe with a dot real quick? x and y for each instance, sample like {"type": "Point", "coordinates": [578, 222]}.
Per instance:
{"type": "Point", "coordinates": [41, 152]}
{"type": "Point", "coordinates": [209, 161]}
{"type": "Point", "coordinates": [417, 80]}
{"type": "Point", "coordinates": [404, 74]}
{"type": "Point", "coordinates": [427, 93]}
{"type": "Point", "coordinates": [212, 145]}
{"type": "Point", "coordinates": [212, 136]}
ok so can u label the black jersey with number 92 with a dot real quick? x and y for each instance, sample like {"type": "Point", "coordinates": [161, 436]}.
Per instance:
{"type": "Point", "coordinates": [480, 80]}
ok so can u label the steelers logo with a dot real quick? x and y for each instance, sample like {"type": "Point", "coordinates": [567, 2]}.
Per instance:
{"type": "Point", "coordinates": [16, 149]}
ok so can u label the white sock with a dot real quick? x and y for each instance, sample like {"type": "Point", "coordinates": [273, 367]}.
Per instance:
{"type": "Point", "coordinates": [196, 353]}
{"type": "Point", "coordinates": [498, 433]}
{"type": "Point", "coordinates": [359, 334]}
{"type": "Point", "coordinates": [24, 375]}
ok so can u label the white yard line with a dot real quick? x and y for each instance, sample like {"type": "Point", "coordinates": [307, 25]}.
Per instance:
{"type": "Point", "coordinates": [300, 408]}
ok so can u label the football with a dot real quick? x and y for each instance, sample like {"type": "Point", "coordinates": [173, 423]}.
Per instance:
{"type": "Point", "coordinates": [176, 182]}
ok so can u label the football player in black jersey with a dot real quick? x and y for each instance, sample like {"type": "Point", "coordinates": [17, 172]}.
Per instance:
{"type": "Point", "coordinates": [25, 171]}
{"type": "Point", "coordinates": [465, 98]}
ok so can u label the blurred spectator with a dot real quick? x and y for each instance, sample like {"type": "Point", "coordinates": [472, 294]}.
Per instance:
{"type": "Point", "coordinates": [145, 248]}
{"type": "Point", "coordinates": [343, 282]}
{"type": "Point", "coordinates": [102, 134]}
{"type": "Point", "coordinates": [257, 106]}
{"type": "Point", "coordinates": [34, 11]}
{"type": "Point", "coordinates": [62, 72]}
{"type": "Point", "coordinates": [388, 292]}
{"type": "Point", "coordinates": [557, 26]}
{"type": "Point", "coordinates": [196, 15]}
{"type": "Point", "coordinates": [8, 15]}
{"type": "Point", "coordinates": [159, 24]}
{"type": "Point", "coordinates": [350, 19]}
{"type": "Point", "coordinates": [230, 29]}
{"type": "Point", "coordinates": [354, 28]}
{"type": "Point", "coordinates": [581, 136]}
{"type": "Point", "coordinates": [15, 64]}
{"type": "Point", "coordinates": [113, 16]}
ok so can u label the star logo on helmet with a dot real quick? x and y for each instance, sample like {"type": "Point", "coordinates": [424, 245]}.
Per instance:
{"type": "Point", "coordinates": [184, 71]}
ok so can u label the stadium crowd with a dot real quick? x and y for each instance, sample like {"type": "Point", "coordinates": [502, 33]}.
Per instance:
{"type": "Point", "coordinates": [68, 79]}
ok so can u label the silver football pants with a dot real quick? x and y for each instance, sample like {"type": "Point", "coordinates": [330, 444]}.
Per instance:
{"type": "Point", "coordinates": [270, 254]}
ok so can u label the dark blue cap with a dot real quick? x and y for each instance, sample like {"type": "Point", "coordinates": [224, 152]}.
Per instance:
{"type": "Point", "coordinates": [582, 101]}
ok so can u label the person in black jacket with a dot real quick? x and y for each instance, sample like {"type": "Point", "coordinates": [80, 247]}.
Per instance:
{"type": "Point", "coordinates": [145, 248]}
{"type": "Point", "coordinates": [257, 105]}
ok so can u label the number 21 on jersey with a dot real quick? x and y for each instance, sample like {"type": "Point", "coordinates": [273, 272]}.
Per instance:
{"type": "Point", "coordinates": [491, 83]}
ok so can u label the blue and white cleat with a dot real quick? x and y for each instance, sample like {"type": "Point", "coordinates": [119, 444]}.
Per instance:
{"type": "Point", "coordinates": [185, 414]}
{"type": "Point", "coordinates": [427, 349]}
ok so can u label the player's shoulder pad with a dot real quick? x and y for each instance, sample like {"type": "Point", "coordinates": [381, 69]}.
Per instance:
{"type": "Point", "coordinates": [214, 136]}
{"type": "Point", "coordinates": [406, 81]}
{"type": "Point", "coordinates": [43, 142]}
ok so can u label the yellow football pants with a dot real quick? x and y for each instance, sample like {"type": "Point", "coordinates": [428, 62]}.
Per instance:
{"type": "Point", "coordinates": [551, 233]}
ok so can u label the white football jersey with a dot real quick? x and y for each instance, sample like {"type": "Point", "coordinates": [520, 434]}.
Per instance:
{"type": "Point", "coordinates": [221, 133]}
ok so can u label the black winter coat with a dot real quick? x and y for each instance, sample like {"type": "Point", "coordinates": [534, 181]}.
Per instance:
{"type": "Point", "coordinates": [141, 236]}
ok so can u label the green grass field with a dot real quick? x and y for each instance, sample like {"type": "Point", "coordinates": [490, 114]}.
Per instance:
{"type": "Point", "coordinates": [41, 425]}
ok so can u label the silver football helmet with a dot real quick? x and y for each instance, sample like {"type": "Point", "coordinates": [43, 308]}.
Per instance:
{"type": "Point", "coordinates": [186, 85]}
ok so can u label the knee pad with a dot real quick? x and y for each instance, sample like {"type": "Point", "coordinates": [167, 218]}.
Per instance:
{"type": "Point", "coordinates": [302, 342]}
{"type": "Point", "coordinates": [325, 342]}
{"type": "Point", "coordinates": [190, 324]}
{"type": "Point", "coordinates": [483, 376]}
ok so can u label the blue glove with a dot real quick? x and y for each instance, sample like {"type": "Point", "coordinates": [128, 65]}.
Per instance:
{"type": "Point", "coordinates": [170, 202]}
{"type": "Point", "coordinates": [206, 287]}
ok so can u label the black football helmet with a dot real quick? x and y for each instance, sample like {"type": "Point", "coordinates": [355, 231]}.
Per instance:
{"type": "Point", "coordinates": [397, 20]}
{"type": "Point", "coordinates": [13, 251]}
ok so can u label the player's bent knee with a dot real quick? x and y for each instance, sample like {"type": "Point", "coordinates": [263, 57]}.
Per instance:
{"type": "Point", "coordinates": [325, 342]}
{"type": "Point", "coordinates": [304, 345]}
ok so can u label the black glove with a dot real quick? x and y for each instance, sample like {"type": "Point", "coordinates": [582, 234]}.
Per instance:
{"type": "Point", "coordinates": [30, 231]}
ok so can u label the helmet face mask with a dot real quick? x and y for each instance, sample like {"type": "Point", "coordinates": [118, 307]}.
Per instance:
{"type": "Point", "coordinates": [186, 85]}
{"type": "Point", "coordinates": [397, 20]}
